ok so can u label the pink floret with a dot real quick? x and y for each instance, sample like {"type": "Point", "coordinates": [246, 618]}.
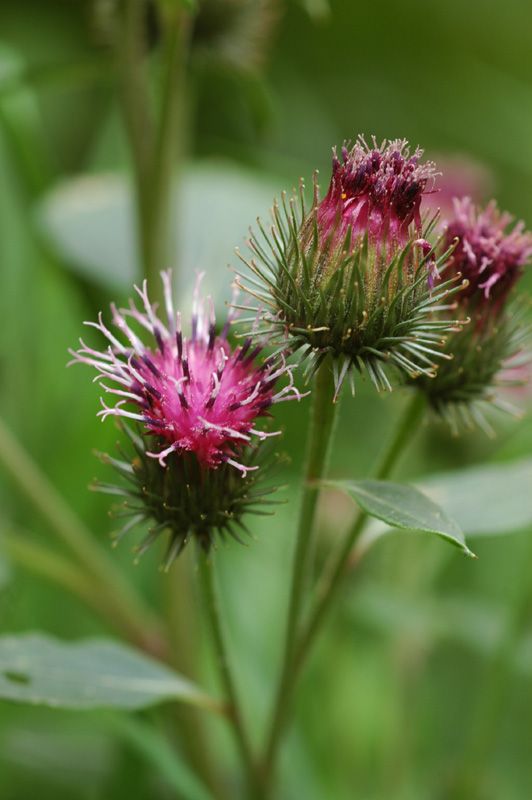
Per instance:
{"type": "Point", "coordinates": [197, 394]}
{"type": "Point", "coordinates": [488, 255]}
{"type": "Point", "coordinates": [376, 191]}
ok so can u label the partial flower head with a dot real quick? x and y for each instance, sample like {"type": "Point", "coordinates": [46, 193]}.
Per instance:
{"type": "Point", "coordinates": [491, 252]}
{"type": "Point", "coordinates": [376, 191]}
{"type": "Point", "coordinates": [356, 276]}
{"type": "Point", "coordinates": [197, 401]}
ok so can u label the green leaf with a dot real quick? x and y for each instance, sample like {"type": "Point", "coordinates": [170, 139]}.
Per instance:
{"type": "Point", "coordinates": [90, 222]}
{"type": "Point", "coordinates": [486, 500]}
{"type": "Point", "coordinates": [402, 506]}
{"type": "Point", "coordinates": [93, 673]}
{"type": "Point", "coordinates": [156, 749]}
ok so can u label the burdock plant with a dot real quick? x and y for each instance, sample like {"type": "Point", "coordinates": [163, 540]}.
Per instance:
{"type": "Point", "coordinates": [491, 253]}
{"type": "Point", "coordinates": [355, 276]}
{"type": "Point", "coordinates": [196, 401]}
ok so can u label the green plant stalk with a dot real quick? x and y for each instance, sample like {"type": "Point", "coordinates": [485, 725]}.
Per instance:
{"type": "Point", "coordinates": [333, 579]}
{"type": "Point", "coordinates": [118, 599]}
{"type": "Point", "coordinates": [182, 622]}
{"type": "Point", "coordinates": [136, 105]}
{"type": "Point", "coordinates": [321, 428]}
{"type": "Point", "coordinates": [168, 145]}
{"type": "Point", "coordinates": [212, 607]}
{"type": "Point", "coordinates": [154, 126]}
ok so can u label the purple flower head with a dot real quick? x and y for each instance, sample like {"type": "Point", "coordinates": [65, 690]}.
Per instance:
{"type": "Point", "coordinates": [490, 254]}
{"type": "Point", "coordinates": [195, 394]}
{"type": "Point", "coordinates": [376, 191]}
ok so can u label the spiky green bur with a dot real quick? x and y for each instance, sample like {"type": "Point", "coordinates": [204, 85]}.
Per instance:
{"type": "Point", "coordinates": [354, 276]}
{"type": "Point", "coordinates": [490, 353]}
{"type": "Point", "coordinates": [487, 358]}
{"type": "Point", "coordinates": [185, 500]}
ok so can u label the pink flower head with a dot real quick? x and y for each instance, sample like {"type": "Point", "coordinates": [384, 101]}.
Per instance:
{"type": "Point", "coordinates": [488, 255]}
{"type": "Point", "coordinates": [376, 191]}
{"type": "Point", "coordinates": [195, 394]}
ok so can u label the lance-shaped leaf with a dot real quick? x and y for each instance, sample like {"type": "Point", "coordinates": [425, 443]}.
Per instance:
{"type": "Point", "coordinates": [403, 506]}
{"type": "Point", "coordinates": [93, 673]}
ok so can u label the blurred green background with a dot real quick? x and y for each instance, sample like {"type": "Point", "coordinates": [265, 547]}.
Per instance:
{"type": "Point", "coordinates": [409, 678]}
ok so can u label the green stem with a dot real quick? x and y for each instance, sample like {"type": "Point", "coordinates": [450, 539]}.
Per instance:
{"type": "Point", "coordinates": [153, 133]}
{"type": "Point", "coordinates": [323, 415]}
{"type": "Point", "coordinates": [137, 111]}
{"type": "Point", "coordinates": [212, 606]}
{"type": "Point", "coordinates": [188, 723]}
{"type": "Point", "coordinates": [330, 584]}
{"type": "Point", "coordinates": [168, 146]}
{"type": "Point", "coordinates": [124, 607]}
{"type": "Point", "coordinates": [333, 579]}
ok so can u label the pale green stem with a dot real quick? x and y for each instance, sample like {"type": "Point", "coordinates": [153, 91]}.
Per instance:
{"type": "Point", "coordinates": [323, 414]}
{"type": "Point", "coordinates": [124, 606]}
{"type": "Point", "coordinates": [212, 607]}
{"type": "Point", "coordinates": [332, 581]}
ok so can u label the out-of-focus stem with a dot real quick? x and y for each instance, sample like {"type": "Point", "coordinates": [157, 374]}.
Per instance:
{"type": "Point", "coordinates": [154, 126]}
{"type": "Point", "coordinates": [212, 607]}
{"type": "Point", "coordinates": [323, 415]}
{"type": "Point", "coordinates": [123, 605]}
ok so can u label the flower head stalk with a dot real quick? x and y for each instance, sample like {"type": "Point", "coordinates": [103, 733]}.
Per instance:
{"type": "Point", "coordinates": [356, 276]}
{"type": "Point", "coordinates": [196, 401]}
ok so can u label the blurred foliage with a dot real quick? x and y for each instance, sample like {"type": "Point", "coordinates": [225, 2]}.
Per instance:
{"type": "Point", "coordinates": [394, 693]}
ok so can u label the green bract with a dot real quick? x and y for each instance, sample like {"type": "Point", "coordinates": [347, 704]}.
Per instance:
{"type": "Point", "coordinates": [368, 303]}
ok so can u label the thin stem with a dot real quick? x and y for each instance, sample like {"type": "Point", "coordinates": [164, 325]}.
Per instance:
{"type": "Point", "coordinates": [323, 415]}
{"type": "Point", "coordinates": [333, 579]}
{"type": "Point", "coordinates": [212, 606]}
{"type": "Point", "coordinates": [330, 584]}
{"type": "Point", "coordinates": [124, 606]}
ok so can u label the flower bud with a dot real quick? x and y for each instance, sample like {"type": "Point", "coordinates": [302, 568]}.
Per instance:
{"type": "Point", "coordinates": [491, 253]}
{"type": "Point", "coordinates": [196, 401]}
{"type": "Point", "coordinates": [356, 275]}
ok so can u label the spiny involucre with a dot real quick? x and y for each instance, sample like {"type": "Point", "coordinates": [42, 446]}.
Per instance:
{"type": "Point", "coordinates": [356, 276]}
{"type": "Point", "coordinates": [491, 251]}
{"type": "Point", "coordinates": [197, 401]}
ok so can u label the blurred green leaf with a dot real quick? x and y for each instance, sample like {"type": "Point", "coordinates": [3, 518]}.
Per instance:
{"type": "Point", "coordinates": [90, 220]}
{"type": "Point", "coordinates": [89, 674]}
{"type": "Point", "coordinates": [5, 571]}
{"type": "Point", "coordinates": [155, 748]}
{"type": "Point", "coordinates": [402, 506]}
{"type": "Point", "coordinates": [486, 500]}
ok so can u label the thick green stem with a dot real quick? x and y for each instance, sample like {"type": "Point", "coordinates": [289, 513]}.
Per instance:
{"type": "Point", "coordinates": [212, 606]}
{"type": "Point", "coordinates": [124, 607]}
{"type": "Point", "coordinates": [323, 415]}
{"type": "Point", "coordinates": [333, 578]}
{"type": "Point", "coordinates": [168, 148]}
{"type": "Point", "coordinates": [330, 584]}
{"type": "Point", "coordinates": [154, 126]}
